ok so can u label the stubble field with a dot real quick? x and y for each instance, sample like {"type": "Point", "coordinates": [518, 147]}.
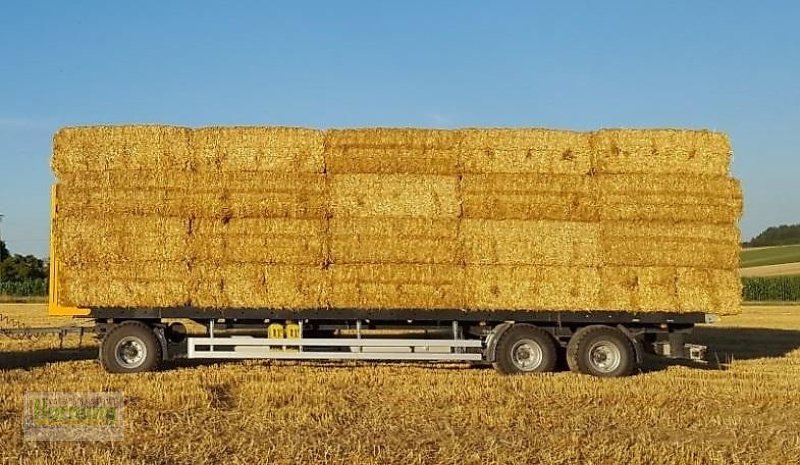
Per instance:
{"type": "Point", "coordinates": [744, 407]}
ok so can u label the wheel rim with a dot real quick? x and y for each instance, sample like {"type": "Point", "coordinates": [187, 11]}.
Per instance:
{"type": "Point", "coordinates": [605, 356]}
{"type": "Point", "coordinates": [130, 352]}
{"type": "Point", "coordinates": [527, 355]}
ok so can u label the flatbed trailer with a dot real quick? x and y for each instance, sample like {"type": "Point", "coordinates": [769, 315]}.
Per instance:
{"type": "Point", "coordinates": [605, 344]}
{"type": "Point", "coordinates": [600, 343]}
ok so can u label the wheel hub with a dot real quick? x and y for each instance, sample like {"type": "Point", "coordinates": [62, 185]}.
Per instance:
{"type": "Point", "coordinates": [604, 356]}
{"type": "Point", "coordinates": [527, 355]}
{"type": "Point", "coordinates": [130, 352]}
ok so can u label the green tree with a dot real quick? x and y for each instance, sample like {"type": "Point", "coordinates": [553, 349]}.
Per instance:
{"type": "Point", "coordinates": [19, 268]}
{"type": "Point", "coordinates": [785, 234]}
{"type": "Point", "coordinates": [3, 251]}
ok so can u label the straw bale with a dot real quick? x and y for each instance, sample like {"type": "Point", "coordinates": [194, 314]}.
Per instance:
{"type": "Point", "coordinates": [396, 286]}
{"type": "Point", "coordinates": [79, 201]}
{"type": "Point", "coordinates": [669, 198]}
{"type": "Point", "coordinates": [268, 195]}
{"type": "Point", "coordinates": [670, 244]}
{"type": "Point", "coordinates": [126, 284]}
{"type": "Point", "coordinates": [709, 290]}
{"type": "Point", "coordinates": [394, 240]}
{"type": "Point", "coordinates": [258, 286]}
{"type": "Point", "coordinates": [258, 240]}
{"type": "Point", "coordinates": [639, 288]}
{"type": "Point", "coordinates": [422, 196]}
{"type": "Point", "coordinates": [519, 242]}
{"type": "Point", "coordinates": [391, 151]}
{"type": "Point", "coordinates": [234, 149]}
{"type": "Point", "coordinates": [402, 138]}
{"type": "Point", "coordinates": [142, 179]}
{"type": "Point", "coordinates": [529, 196]}
{"type": "Point", "coordinates": [120, 239]}
{"type": "Point", "coordinates": [120, 148]}
{"type": "Point", "coordinates": [542, 151]}
{"type": "Point", "coordinates": [515, 287]}
{"type": "Point", "coordinates": [662, 151]}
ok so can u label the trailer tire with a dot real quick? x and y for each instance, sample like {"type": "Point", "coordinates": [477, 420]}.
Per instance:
{"type": "Point", "coordinates": [130, 347]}
{"type": "Point", "coordinates": [524, 348]}
{"type": "Point", "coordinates": [601, 351]}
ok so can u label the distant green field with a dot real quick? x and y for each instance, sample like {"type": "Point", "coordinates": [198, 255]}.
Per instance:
{"type": "Point", "coordinates": [770, 256]}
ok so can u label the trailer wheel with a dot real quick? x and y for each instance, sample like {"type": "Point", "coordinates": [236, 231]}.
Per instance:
{"type": "Point", "coordinates": [601, 351]}
{"type": "Point", "coordinates": [525, 349]}
{"type": "Point", "coordinates": [130, 347]}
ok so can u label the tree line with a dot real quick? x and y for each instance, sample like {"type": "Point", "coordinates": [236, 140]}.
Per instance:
{"type": "Point", "coordinates": [785, 234]}
{"type": "Point", "coordinates": [22, 275]}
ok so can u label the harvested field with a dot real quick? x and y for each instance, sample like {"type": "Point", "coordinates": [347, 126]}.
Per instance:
{"type": "Point", "coordinates": [771, 270]}
{"type": "Point", "coordinates": [362, 413]}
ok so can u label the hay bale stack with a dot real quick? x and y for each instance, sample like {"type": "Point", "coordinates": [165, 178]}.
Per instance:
{"type": "Point", "coordinates": [474, 219]}
{"type": "Point", "coordinates": [529, 231]}
{"type": "Point", "coordinates": [195, 204]}
{"type": "Point", "coordinates": [258, 232]}
{"type": "Point", "coordinates": [395, 205]}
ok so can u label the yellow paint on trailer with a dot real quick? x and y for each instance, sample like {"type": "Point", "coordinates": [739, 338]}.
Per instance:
{"type": "Point", "coordinates": [53, 308]}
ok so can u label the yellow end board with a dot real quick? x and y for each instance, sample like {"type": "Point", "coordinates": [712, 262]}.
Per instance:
{"type": "Point", "coordinates": [53, 308]}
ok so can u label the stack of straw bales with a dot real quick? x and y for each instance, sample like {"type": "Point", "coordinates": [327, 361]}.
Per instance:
{"type": "Point", "coordinates": [394, 226]}
{"type": "Point", "coordinates": [525, 219]}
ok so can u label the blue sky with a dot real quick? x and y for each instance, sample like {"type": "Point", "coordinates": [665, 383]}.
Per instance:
{"type": "Point", "coordinates": [729, 66]}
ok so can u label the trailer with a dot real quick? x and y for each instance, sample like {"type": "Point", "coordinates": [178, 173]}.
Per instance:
{"type": "Point", "coordinates": [528, 249]}
{"type": "Point", "coordinates": [603, 343]}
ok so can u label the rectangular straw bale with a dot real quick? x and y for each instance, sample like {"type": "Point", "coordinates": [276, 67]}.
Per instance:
{"type": "Point", "coordinates": [709, 290]}
{"type": "Point", "coordinates": [258, 286]}
{"type": "Point", "coordinates": [77, 201]}
{"type": "Point", "coordinates": [391, 151]}
{"type": "Point", "coordinates": [275, 196]}
{"type": "Point", "coordinates": [670, 207]}
{"type": "Point", "coordinates": [519, 242]}
{"type": "Point", "coordinates": [145, 179]}
{"type": "Point", "coordinates": [260, 149]}
{"type": "Point", "coordinates": [120, 149]}
{"type": "Point", "coordinates": [639, 288]}
{"type": "Point", "coordinates": [670, 244]}
{"type": "Point", "coordinates": [396, 286]}
{"type": "Point", "coordinates": [543, 151]}
{"type": "Point", "coordinates": [662, 151]}
{"type": "Point", "coordinates": [120, 239]}
{"type": "Point", "coordinates": [670, 198]}
{"type": "Point", "coordinates": [515, 287]}
{"type": "Point", "coordinates": [403, 195]}
{"type": "Point", "coordinates": [395, 240]}
{"type": "Point", "coordinates": [125, 284]}
{"type": "Point", "coordinates": [402, 138]}
{"type": "Point", "coordinates": [258, 240]}
{"type": "Point", "coordinates": [529, 196]}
